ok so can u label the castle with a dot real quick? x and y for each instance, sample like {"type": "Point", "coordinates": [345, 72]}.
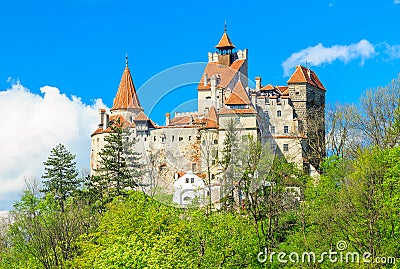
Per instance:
{"type": "Point", "coordinates": [291, 117]}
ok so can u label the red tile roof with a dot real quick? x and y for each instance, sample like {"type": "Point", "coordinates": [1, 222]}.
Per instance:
{"type": "Point", "coordinates": [300, 75]}
{"type": "Point", "coordinates": [225, 42]}
{"type": "Point", "coordinates": [268, 87]}
{"type": "Point", "coordinates": [113, 120]}
{"type": "Point", "coordinates": [185, 120]}
{"type": "Point", "coordinates": [141, 117]}
{"type": "Point", "coordinates": [284, 90]}
{"type": "Point", "coordinates": [126, 96]}
{"type": "Point", "coordinates": [211, 119]}
{"type": "Point", "coordinates": [238, 96]}
{"type": "Point", "coordinates": [223, 73]}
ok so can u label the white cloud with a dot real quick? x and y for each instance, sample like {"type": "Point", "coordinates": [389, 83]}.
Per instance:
{"type": "Point", "coordinates": [31, 125]}
{"type": "Point", "coordinates": [319, 54]}
{"type": "Point", "coordinates": [396, 2]}
{"type": "Point", "coordinates": [393, 50]}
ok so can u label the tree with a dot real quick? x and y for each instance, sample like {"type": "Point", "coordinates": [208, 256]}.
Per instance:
{"type": "Point", "coordinates": [60, 174]}
{"type": "Point", "coordinates": [342, 135]}
{"type": "Point", "coordinates": [230, 163]}
{"type": "Point", "coordinates": [43, 236]}
{"type": "Point", "coordinates": [119, 165]}
{"type": "Point", "coordinates": [209, 157]}
{"type": "Point", "coordinates": [378, 115]}
{"type": "Point", "coordinates": [316, 150]}
{"type": "Point", "coordinates": [140, 232]}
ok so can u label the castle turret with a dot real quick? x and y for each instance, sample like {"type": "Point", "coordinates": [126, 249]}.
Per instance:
{"type": "Point", "coordinates": [307, 95]}
{"type": "Point", "coordinates": [126, 101]}
{"type": "Point", "coordinates": [224, 69]}
{"type": "Point", "coordinates": [225, 49]}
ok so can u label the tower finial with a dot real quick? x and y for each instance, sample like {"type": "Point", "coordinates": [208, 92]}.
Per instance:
{"type": "Point", "coordinates": [225, 25]}
{"type": "Point", "coordinates": [126, 59]}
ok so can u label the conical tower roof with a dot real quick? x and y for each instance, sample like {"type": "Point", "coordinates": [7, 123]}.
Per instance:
{"type": "Point", "coordinates": [126, 97]}
{"type": "Point", "coordinates": [225, 42]}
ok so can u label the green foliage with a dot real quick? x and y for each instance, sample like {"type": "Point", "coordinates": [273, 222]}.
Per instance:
{"type": "Point", "coordinates": [43, 236]}
{"type": "Point", "coordinates": [139, 232]}
{"type": "Point", "coordinates": [355, 201]}
{"type": "Point", "coordinates": [60, 173]}
{"type": "Point", "coordinates": [120, 168]}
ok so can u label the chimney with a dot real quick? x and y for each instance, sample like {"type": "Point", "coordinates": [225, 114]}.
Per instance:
{"type": "Point", "coordinates": [205, 79]}
{"type": "Point", "coordinates": [258, 83]}
{"type": "Point", "coordinates": [167, 119]}
{"type": "Point", "coordinates": [102, 114]}
{"type": "Point", "coordinates": [254, 99]}
{"type": "Point", "coordinates": [107, 120]}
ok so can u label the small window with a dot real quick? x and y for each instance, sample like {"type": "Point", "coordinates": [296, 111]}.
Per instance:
{"type": "Point", "coordinates": [187, 180]}
{"type": "Point", "coordinates": [208, 193]}
{"type": "Point", "coordinates": [190, 138]}
{"type": "Point", "coordinates": [208, 97]}
{"type": "Point", "coordinates": [154, 138]}
{"type": "Point", "coordinates": [285, 147]}
{"type": "Point", "coordinates": [212, 176]}
{"type": "Point", "coordinates": [145, 138]}
{"type": "Point", "coordinates": [172, 138]}
{"type": "Point", "coordinates": [215, 141]}
{"type": "Point", "coordinates": [192, 180]}
{"type": "Point", "coordinates": [98, 140]}
{"type": "Point", "coordinates": [286, 129]}
{"type": "Point", "coordinates": [297, 92]}
{"type": "Point", "coordinates": [278, 113]}
{"type": "Point", "coordinates": [272, 129]}
{"type": "Point", "coordinates": [180, 138]}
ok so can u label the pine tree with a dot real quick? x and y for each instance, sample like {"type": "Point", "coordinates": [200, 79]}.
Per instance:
{"type": "Point", "coordinates": [229, 163]}
{"type": "Point", "coordinates": [119, 165]}
{"type": "Point", "coordinates": [60, 174]}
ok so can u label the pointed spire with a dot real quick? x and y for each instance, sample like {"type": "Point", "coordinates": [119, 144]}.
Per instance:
{"type": "Point", "coordinates": [126, 97]}
{"type": "Point", "coordinates": [126, 60]}
{"type": "Point", "coordinates": [225, 42]}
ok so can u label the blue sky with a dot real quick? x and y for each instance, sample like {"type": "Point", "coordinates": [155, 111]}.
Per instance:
{"type": "Point", "coordinates": [79, 48]}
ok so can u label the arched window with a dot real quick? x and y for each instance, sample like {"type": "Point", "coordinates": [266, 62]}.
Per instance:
{"type": "Point", "coordinates": [278, 113]}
